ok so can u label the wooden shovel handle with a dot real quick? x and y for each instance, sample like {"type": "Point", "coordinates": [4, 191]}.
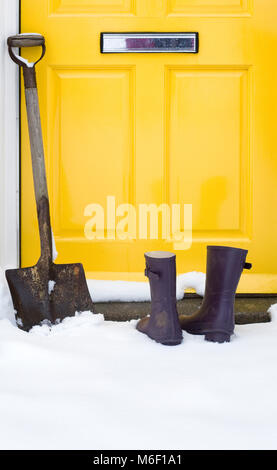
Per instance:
{"type": "Point", "coordinates": [35, 135]}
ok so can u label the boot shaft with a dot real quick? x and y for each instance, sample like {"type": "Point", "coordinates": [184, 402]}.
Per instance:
{"type": "Point", "coordinates": [224, 267]}
{"type": "Point", "coordinates": [215, 318]}
{"type": "Point", "coordinates": [163, 324]}
{"type": "Point", "coordinates": [161, 271]}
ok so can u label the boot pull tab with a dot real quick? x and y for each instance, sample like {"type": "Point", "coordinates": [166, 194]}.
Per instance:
{"type": "Point", "coordinates": [150, 274]}
{"type": "Point", "coordinates": [247, 266]}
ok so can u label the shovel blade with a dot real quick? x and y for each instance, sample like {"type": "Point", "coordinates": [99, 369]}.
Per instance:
{"type": "Point", "coordinates": [48, 295]}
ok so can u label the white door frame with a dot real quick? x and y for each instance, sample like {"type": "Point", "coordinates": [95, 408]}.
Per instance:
{"type": "Point", "coordinates": [9, 139]}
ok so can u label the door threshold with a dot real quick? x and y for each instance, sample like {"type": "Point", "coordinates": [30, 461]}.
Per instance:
{"type": "Point", "coordinates": [248, 308]}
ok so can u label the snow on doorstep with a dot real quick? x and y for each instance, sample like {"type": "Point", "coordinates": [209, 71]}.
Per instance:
{"type": "Point", "coordinates": [129, 291]}
{"type": "Point", "coordinates": [93, 384]}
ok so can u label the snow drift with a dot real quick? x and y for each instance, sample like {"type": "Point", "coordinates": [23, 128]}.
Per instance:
{"type": "Point", "coordinates": [93, 384]}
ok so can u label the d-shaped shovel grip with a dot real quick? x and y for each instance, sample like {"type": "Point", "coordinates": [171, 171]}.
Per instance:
{"type": "Point", "coordinates": [26, 40]}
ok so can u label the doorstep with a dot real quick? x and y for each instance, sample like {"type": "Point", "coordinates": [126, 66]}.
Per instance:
{"type": "Point", "coordinates": [248, 308]}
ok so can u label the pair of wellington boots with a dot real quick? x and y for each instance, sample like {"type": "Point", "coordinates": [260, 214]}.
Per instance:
{"type": "Point", "coordinates": [215, 318]}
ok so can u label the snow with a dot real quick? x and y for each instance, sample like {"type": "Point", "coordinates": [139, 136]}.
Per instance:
{"type": "Point", "coordinates": [29, 34]}
{"type": "Point", "coordinates": [193, 280]}
{"type": "Point", "coordinates": [126, 291]}
{"type": "Point", "coordinates": [54, 249]}
{"type": "Point", "coordinates": [51, 286]}
{"type": "Point", "coordinates": [93, 384]}
{"type": "Point", "coordinates": [22, 59]}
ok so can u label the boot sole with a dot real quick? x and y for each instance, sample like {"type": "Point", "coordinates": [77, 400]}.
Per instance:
{"type": "Point", "coordinates": [166, 342]}
{"type": "Point", "coordinates": [171, 342]}
{"type": "Point", "coordinates": [212, 336]}
{"type": "Point", "coordinates": [217, 337]}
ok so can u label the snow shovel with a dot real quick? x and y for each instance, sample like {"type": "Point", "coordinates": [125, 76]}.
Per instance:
{"type": "Point", "coordinates": [46, 292]}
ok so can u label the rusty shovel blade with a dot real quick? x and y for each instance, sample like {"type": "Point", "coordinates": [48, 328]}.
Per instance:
{"type": "Point", "coordinates": [48, 295]}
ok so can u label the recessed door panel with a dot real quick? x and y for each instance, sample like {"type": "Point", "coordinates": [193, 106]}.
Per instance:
{"type": "Point", "coordinates": [216, 184]}
{"type": "Point", "coordinates": [95, 109]}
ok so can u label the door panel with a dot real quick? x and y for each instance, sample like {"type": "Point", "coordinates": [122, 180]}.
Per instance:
{"type": "Point", "coordinates": [220, 115]}
{"type": "Point", "coordinates": [105, 133]}
{"type": "Point", "coordinates": [157, 128]}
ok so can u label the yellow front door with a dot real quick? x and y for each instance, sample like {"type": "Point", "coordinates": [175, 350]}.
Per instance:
{"type": "Point", "coordinates": [147, 128]}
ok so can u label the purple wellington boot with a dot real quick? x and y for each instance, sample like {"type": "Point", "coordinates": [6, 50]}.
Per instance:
{"type": "Point", "coordinates": [163, 324]}
{"type": "Point", "coordinates": [215, 318]}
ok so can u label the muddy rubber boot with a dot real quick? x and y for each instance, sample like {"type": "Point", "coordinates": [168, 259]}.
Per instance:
{"type": "Point", "coordinates": [163, 324]}
{"type": "Point", "coordinates": [215, 319]}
